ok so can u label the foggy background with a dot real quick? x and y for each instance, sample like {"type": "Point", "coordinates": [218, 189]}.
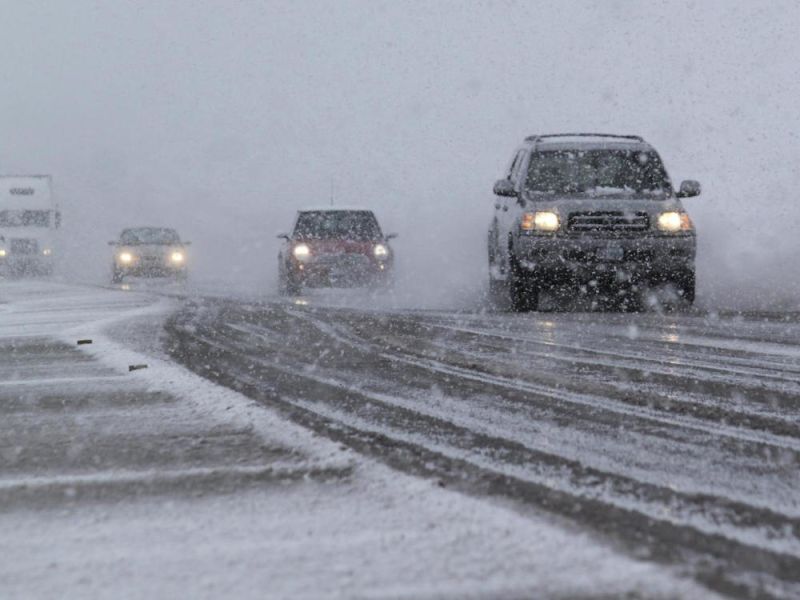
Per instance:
{"type": "Point", "coordinates": [223, 118]}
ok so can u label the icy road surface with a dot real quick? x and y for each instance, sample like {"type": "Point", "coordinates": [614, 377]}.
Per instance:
{"type": "Point", "coordinates": [156, 483]}
{"type": "Point", "coordinates": [676, 436]}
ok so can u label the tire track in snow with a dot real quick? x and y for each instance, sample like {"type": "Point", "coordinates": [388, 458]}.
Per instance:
{"type": "Point", "coordinates": [256, 356]}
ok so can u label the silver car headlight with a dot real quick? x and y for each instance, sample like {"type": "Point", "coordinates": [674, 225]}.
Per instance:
{"type": "Point", "coordinates": [381, 251]}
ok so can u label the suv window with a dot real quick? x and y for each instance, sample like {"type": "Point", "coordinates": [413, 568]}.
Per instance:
{"type": "Point", "coordinates": [597, 172]}
{"type": "Point", "coordinates": [513, 173]}
{"type": "Point", "coordinates": [358, 225]}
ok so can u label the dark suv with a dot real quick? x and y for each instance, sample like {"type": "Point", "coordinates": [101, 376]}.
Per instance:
{"type": "Point", "coordinates": [597, 211]}
{"type": "Point", "coordinates": [334, 247]}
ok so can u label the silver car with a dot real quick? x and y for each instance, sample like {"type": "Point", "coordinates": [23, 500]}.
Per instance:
{"type": "Point", "coordinates": [591, 210]}
{"type": "Point", "coordinates": [149, 252]}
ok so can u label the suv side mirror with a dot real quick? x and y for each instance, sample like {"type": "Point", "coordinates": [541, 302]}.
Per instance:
{"type": "Point", "coordinates": [390, 236]}
{"type": "Point", "coordinates": [186, 243]}
{"type": "Point", "coordinates": [504, 187]}
{"type": "Point", "coordinates": [689, 188]}
{"type": "Point", "coordinates": [284, 236]}
{"type": "Point", "coordinates": [112, 243]}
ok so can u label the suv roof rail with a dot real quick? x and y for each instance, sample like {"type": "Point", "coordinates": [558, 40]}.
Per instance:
{"type": "Point", "coordinates": [536, 138]}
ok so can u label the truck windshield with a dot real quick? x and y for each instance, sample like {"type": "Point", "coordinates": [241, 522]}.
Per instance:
{"type": "Point", "coordinates": [597, 172]}
{"type": "Point", "coordinates": [24, 218]}
{"type": "Point", "coordinates": [358, 225]}
{"type": "Point", "coordinates": [149, 235]}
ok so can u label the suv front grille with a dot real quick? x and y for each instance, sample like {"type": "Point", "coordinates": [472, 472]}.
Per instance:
{"type": "Point", "coordinates": [608, 221]}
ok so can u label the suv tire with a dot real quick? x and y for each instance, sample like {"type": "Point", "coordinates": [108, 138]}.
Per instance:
{"type": "Point", "coordinates": [523, 289]}
{"type": "Point", "coordinates": [685, 283]}
{"type": "Point", "coordinates": [286, 287]}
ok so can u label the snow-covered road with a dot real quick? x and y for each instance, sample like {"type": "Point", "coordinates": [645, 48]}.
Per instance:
{"type": "Point", "coordinates": [676, 435]}
{"type": "Point", "coordinates": [158, 483]}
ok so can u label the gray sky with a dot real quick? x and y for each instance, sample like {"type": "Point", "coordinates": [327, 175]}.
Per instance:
{"type": "Point", "coordinates": [224, 117]}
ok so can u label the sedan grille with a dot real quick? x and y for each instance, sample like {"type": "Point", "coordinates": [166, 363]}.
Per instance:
{"type": "Point", "coordinates": [343, 261]}
{"type": "Point", "coordinates": [608, 221]}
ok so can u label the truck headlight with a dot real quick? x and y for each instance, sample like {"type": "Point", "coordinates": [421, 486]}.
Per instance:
{"type": "Point", "coordinates": [381, 251]}
{"type": "Point", "coordinates": [125, 257]}
{"type": "Point", "coordinates": [541, 220]}
{"type": "Point", "coordinates": [301, 252]}
{"type": "Point", "coordinates": [177, 257]}
{"type": "Point", "coordinates": [673, 222]}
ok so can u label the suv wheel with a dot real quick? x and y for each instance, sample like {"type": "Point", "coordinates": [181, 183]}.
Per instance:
{"type": "Point", "coordinates": [287, 287]}
{"type": "Point", "coordinates": [523, 290]}
{"type": "Point", "coordinates": [492, 245]}
{"type": "Point", "coordinates": [685, 283]}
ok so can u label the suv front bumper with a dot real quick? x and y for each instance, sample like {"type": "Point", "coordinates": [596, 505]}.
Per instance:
{"type": "Point", "coordinates": [648, 258]}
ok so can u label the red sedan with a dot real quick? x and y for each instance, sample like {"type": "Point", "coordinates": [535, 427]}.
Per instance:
{"type": "Point", "coordinates": [334, 247]}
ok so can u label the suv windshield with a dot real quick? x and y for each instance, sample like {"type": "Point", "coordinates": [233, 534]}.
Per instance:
{"type": "Point", "coordinates": [359, 225]}
{"type": "Point", "coordinates": [597, 172]}
{"type": "Point", "coordinates": [24, 218]}
{"type": "Point", "coordinates": [149, 235]}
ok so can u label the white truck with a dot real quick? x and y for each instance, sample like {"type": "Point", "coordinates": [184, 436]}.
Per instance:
{"type": "Point", "coordinates": [29, 220]}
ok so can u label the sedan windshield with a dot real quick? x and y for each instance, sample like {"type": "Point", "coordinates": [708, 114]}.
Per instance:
{"type": "Point", "coordinates": [597, 172]}
{"type": "Point", "coordinates": [358, 225]}
{"type": "Point", "coordinates": [149, 235]}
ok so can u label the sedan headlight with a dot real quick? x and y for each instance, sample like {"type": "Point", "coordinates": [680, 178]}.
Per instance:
{"type": "Point", "coordinates": [177, 257]}
{"type": "Point", "coordinates": [673, 222]}
{"type": "Point", "coordinates": [542, 220]}
{"type": "Point", "coordinates": [47, 251]}
{"type": "Point", "coordinates": [301, 252]}
{"type": "Point", "coordinates": [125, 257]}
{"type": "Point", "coordinates": [381, 251]}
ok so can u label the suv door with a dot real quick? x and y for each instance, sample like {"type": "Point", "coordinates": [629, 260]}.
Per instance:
{"type": "Point", "coordinates": [505, 217]}
{"type": "Point", "coordinates": [496, 261]}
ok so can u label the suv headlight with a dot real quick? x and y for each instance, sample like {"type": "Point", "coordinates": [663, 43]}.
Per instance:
{"type": "Point", "coordinates": [2, 252]}
{"type": "Point", "coordinates": [673, 222]}
{"type": "Point", "coordinates": [177, 257]}
{"type": "Point", "coordinates": [381, 251]}
{"type": "Point", "coordinates": [541, 220]}
{"type": "Point", "coordinates": [301, 252]}
{"type": "Point", "coordinates": [125, 257]}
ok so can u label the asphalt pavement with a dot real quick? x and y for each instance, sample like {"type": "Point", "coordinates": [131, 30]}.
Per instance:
{"type": "Point", "coordinates": [156, 482]}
